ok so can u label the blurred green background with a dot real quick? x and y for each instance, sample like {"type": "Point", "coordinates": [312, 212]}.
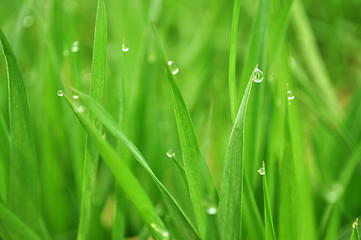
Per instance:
{"type": "Point", "coordinates": [324, 43]}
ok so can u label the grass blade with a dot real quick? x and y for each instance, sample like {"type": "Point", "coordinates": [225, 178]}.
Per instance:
{"type": "Point", "coordinates": [110, 124]}
{"type": "Point", "coordinates": [270, 231]}
{"type": "Point", "coordinates": [96, 92]}
{"type": "Point", "coordinates": [125, 177]}
{"type": "Point", "coordinates": [355, 234]}
{"type": "Point", "coordinates": [230, 204]}
{"type": "Point", "coordinates": [11, 227]}
{"type": "Point", "coordinates": [232, 60]}
{"type": "Point", "coordinates": [198, 175]}
{"type": "Point", "coordinates": [23, 195]}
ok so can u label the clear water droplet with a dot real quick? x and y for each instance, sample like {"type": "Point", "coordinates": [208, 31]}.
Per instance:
{"type": "Point", "coordinates": [76, 97]}
{"type": "Point", "coordinates": [170, 153]}
{"type": "Point", "coordinates": [355, 224]}
{"type": "Point", "coordinates": [28, 21]}
{"type": "Point", "coordinates": [166, 234]}
{"type": "Point", "coordinates": [125, 47]}
{"type": "Point", "coordinates": [257, 76]}
{"type": "Point", "coordinates": [60, 93]}
{"type": "Point", "coordinates": [173, 67]}
{"type": "Point", "coordinates": [261, 171]}
{"type": "Point", "coordinates": [75, 47]}
{"type": "Point", "coordinates": [290, 95]}
{"type": "Point", "coordinates": [212, 210]}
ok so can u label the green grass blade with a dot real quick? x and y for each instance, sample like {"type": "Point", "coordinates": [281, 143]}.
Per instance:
{"type": "Point", "coordinates": [23, 195]}
{"type": "Point", "coordinates": [232, 60]}
{"type": "Point", "coordinates": [230, 204]}
{"type": "Point", "coordinates": [355, 233]}
{"type": "Point", "coordinates": [313, 60]}
{"type": "Point", "coordinates": [4, 160]}
{"type": "Point", "coordinates": [11, 227]}
{"type": "Point", "coordinates": [110, 124]}
{"type": "Point", "coordinates": [96, 92]}
{"type": "Point", "coordinates": [125, 177]}
{"type": "Point", "coordinates": [198, 175]}
{"type": "Point", "coordinates": [270, 231]}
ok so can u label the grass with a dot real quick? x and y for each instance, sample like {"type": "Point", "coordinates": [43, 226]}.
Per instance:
{"type": "Point", "coordinates": [155, 134]}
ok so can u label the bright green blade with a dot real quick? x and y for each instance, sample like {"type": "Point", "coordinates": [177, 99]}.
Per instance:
{"type": "Point", "coordinates": [200, 182]}
{"type": "Point", "coordinates": [11, 227]}
{"type": "Point", "coordinates": [4, 160]}
{"type": "Point", "coordinates": [110, 124]}
{"type": "Point", "coordinates": [232, 60]}
{"type": "Point", "coordinates": [355, 234]}
{"type": "Point", "coordinates": [230, 204]}
{"type": "Point", "coordinates": [23, 194]}
{"type": "Point", "coordinates": [125, 177]}
{"type": "Point", "coordinates": [270, 231]}
{"type": "Point", "coordinates": [96, 92]}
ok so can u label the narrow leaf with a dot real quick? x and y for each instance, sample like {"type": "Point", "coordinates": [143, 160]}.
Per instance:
{"type": "Point", "coordinates": [355, 234]}
{"type": "Point", "coordinates": [230, 204]}
{"type": "Point", "coordinates": [110, 124]}
{"type": "Point", "coordinates": [23, 195]}
{"type": "Point", "coordinates": [198, 175]}
{"type": "Point", "coordinates": [96, 92]}
{"type": "Point", "coordinates": [125, 178]}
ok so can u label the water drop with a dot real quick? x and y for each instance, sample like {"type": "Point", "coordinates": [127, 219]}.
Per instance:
{"type": "Point", "coordinates": [28, 21]}
{"type": "Point", "coordinates": [173, 67]}
{"type": "Point", "coordinates": [125, 48]}
{"type": "Point", "coordinates": [75, 47]}
{"type": "Point", "coordinates": [76, 97]}
{"type": "Point", "coordinates": [212, 210]}
{"type": "Point", "coordinates": [257, 75]}
{"type": "Point", "coordinates": [60, 93]}
{"type": "Point", "coordinates": [170, 153]}
{"type": "Point", "coordinates": [355, 224]}
{"type": "Point", "coordinates": [166, 234]}
{"type": "Point", "coordinates": [262, 170]}
{"type": "Point", "coordinates": [290, 95]}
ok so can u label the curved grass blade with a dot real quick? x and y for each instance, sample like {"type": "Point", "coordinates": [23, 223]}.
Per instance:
{"type": "Point", "coordinates": [110, 124]}
{"type": "Point", "coordinates": [199, 178]}
{"type": "Point", "coordinates": [96, 92]}
{"type": "Point", "coordinates": [355, 233]}
{"type": "Point", "coordinates": [23, 195]}
{"type": "Point", "coordinates": [230, 204]}
{"type": "Point", "coordinates": [125, 178]}
{"type": "Point", "coordinates": [11, 227]}
{"type": "Point", "coordinates": [232, 60]}
{"type": "Point", "coordinates": [270, 231]}
{"type": "Point", "coordinates": [4, 160]}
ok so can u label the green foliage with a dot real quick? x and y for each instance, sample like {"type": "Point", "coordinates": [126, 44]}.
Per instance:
{"type": "Point", "coordinates": [166, 120]}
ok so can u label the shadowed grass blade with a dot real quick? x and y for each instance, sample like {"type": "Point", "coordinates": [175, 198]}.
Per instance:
{"type": "Point", "coordinates": [11, 227]}
{"type": "Point", "coordinates": [96, 92]}
{"type": "Point", "coordinates": [109, 123]}
{"type": "Point", "coordinates": [230, 204]}
{"type": "Point", "coordinates": [125, 178]}
{"type": "Point", "coordinates": [23, 195]}
{"type": "Point", "coordinates": [200, 182]}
